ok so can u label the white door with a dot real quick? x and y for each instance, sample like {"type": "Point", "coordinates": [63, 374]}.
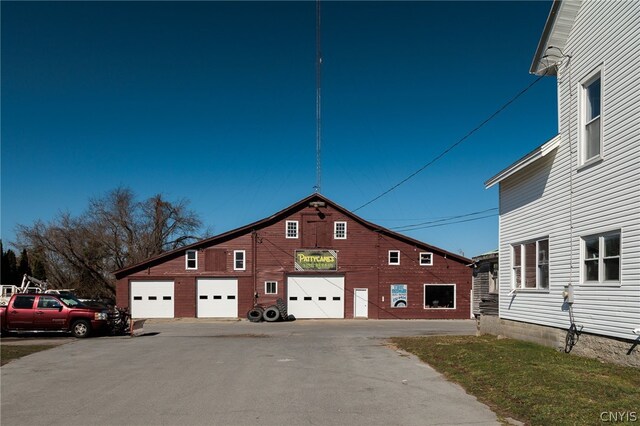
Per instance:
{"type": "Point", "coordinates": [152, 299]}
{"type": "Point", "coordinates": [315, 297]}
{"type": "Point", "coordinates": [217, 298]}
{"type": "Point", "coordinates": [361, 303]}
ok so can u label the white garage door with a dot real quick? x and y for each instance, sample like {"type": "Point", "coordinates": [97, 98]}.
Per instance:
{"type": "Point", "coordinates": [217, 298]}
{"type": "Point", "coordinates": [316, 297]}
{"type": "Point", "coordinates": [152, 299]}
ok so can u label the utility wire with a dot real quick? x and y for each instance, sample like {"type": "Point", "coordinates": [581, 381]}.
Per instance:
{"type": "Point", "coordinates": [446, 151]}
{"type": "Point", "coordinates": [446, 219]}
{"type": "Point", "coordinates": [451, 223]}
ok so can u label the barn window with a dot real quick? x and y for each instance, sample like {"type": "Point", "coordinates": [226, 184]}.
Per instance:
{"type": "Point", "coordinates": [191, 259]}
{"type": "Point", "coordinates": [394, 257]}
{"type": "Point", "coordinates": [292, 229]}
{"type": "Point", "coordinates": [271, 287]}
{"type": "Point", "coordinates": [340, 230]}
{"type": "Point", "coordinates": [426, 259]}
{"type": "Point", "coordinates": [439, 296]}
{"type": "Point", "coordinates": [238, 260]}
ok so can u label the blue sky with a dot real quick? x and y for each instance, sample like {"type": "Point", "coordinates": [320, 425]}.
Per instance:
{"type": "Point", "coordinates": [214, 102]}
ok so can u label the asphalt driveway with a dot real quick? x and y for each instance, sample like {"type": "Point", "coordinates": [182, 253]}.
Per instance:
{"type": "Point", "coordinates": [240, 373]}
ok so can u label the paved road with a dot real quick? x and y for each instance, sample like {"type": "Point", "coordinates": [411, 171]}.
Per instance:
{"type": "Point", "coordinates": [240, 373]}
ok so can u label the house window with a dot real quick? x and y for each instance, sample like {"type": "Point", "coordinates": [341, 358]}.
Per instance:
{"type": "Point", "coordinates": [191, 259]}
{"type": "Point", "coordinates": [530, 265]}
{"type": "Point", "coordinates": [271, 287]}
{"type": "Point", "coordinates": [591, 120]}
{"type": "Point", "coordinates": [439, 296]}
{"type": "Point", "coordinates": [426, 259]}
{"type": "Point", "coordinates": [340, 230]}
{"type": "Point", "coordinates": [238, 260]}
{"type": "Point", "coordinates": [394, 257]}
{"type": "Point", "coordinates": [292, 229]}
{"type": "Point", "coordinates": [601, 258]}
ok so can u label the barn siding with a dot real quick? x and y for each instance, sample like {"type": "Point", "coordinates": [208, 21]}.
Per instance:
{"type": "Point", "coordinates": [536, 201]}
{"type": "Point", "coordinates": [362, 260]}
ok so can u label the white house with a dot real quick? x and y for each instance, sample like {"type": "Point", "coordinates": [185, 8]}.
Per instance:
{"type": "Point", "coordinates": [570, 210]}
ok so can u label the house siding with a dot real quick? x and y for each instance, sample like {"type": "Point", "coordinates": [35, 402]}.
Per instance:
{"type": "Point", "coordinates": [556, 193]}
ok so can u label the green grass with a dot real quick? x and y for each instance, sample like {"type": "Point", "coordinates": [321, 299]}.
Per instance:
{"type": "Point", "coordinates": [11, 352]}
{"type": "Point", "coordinates": [529, 382]}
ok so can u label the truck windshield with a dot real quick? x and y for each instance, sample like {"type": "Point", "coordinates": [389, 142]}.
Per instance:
{"type": "Point", "coordinates": [71, 301]}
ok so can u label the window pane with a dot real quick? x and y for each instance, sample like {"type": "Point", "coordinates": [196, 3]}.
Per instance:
{"type": "Point", "coordinates": [592, 139]}
{"type": "Point", "coordinates": [612, 269]}
{"type": "Point", "coordinates": [591, 270]}
{"type": "Point", "coordinates": [516, 255]}
{"type": "Point", "coordinates": [544, 276]}
{"type": "Point", "coordinates": [543, 251]}
{"type": "Point", "coordinates": [592, 249]}
{"type": "Point", "coordinates": [612, 245]}
{"type": "Point", "coordinates": [530, 265]}
{"type": "Point", "coordinates": [593, 100]}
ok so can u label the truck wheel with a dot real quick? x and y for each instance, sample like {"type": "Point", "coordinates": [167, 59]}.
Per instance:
{"type": "Point", "coordinates": [81, 329]}
{"type": "Point", "coordinates": [271, 314]}
{"type": "Point", "coordinates": [255, 314]}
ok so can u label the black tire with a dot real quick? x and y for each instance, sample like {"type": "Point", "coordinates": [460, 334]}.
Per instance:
{"type": "Point", "coordinates": [282, 307]}
{"type": "Point", "coordinates": [271, 314]}
{"type": "Point", "coordinates": [81, 329]}
{"type": "Point", "coordinates": [255, 314]}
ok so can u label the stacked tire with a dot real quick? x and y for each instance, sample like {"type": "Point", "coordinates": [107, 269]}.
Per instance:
{"type": "Point", "coordinates": [272, 313]}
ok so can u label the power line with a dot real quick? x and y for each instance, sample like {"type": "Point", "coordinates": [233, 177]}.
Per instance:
{"type": "Point", "coordinates": [446, 151]}
{"type": "Point", "coordinates": [451, 223]}
{"type": "Point", "coordinates": [446, 219]}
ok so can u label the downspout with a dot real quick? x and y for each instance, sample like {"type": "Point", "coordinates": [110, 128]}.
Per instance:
{"type": "Point", "coordinates": [254, 258]}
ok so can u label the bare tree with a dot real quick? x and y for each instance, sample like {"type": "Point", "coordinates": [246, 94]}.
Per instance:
{"type": "Point", "coordinates": [116, 231]}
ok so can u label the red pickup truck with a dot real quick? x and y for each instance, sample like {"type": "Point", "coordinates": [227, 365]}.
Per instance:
{"type": "Point", "coordinates": [51, 312]}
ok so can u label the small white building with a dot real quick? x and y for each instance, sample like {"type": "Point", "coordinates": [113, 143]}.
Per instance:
{"type": "Point", "coordinates": [570, 210]}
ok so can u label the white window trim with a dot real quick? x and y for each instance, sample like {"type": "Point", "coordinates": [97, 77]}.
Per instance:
{"type": "Point", "coordinates": [244, 260]}
{"type": "Point", "coordinates": [523, 266]}
{"type": "Point", "coordinates": [286, 229]}
{"type": "Point", "coordinates": [582, 111]}
{"type": "Point", "coordinates": [583, 273]}
{"type": "Point", "coordinates": [266, 287]}
{"type": "Point", "coordinates": [430, 258]}
{"type": "Point", "coordinates": [389, 257]}
{"type": "Point", "coordinates": [335, 230]}
{"type": "Point", "coordinates": [186, 259]}
{"type": "Point", "coordinates": [455, 296]}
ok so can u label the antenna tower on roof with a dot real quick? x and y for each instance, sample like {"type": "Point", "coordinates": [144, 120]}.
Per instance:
{"type": "Point", "coordinates": [318, 102]}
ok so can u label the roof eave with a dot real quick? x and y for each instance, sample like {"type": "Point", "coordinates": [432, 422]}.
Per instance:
{"type": "Point", "coordinates": [551, 49]}
{"type": "Point", "coordinates": [525, 161]}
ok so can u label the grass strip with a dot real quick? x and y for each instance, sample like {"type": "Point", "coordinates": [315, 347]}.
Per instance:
{"type": "Point", "coordinates": [11, 352]}
{"type": "Point", "coordinates": [529, 382]}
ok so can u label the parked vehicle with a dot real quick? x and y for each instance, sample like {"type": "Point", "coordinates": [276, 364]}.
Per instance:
{"type": "Point", "coordinates": [41, 312]}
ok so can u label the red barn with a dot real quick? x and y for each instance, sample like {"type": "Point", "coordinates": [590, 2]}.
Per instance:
{"type": "Point", "coordinates": [320, 258]}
